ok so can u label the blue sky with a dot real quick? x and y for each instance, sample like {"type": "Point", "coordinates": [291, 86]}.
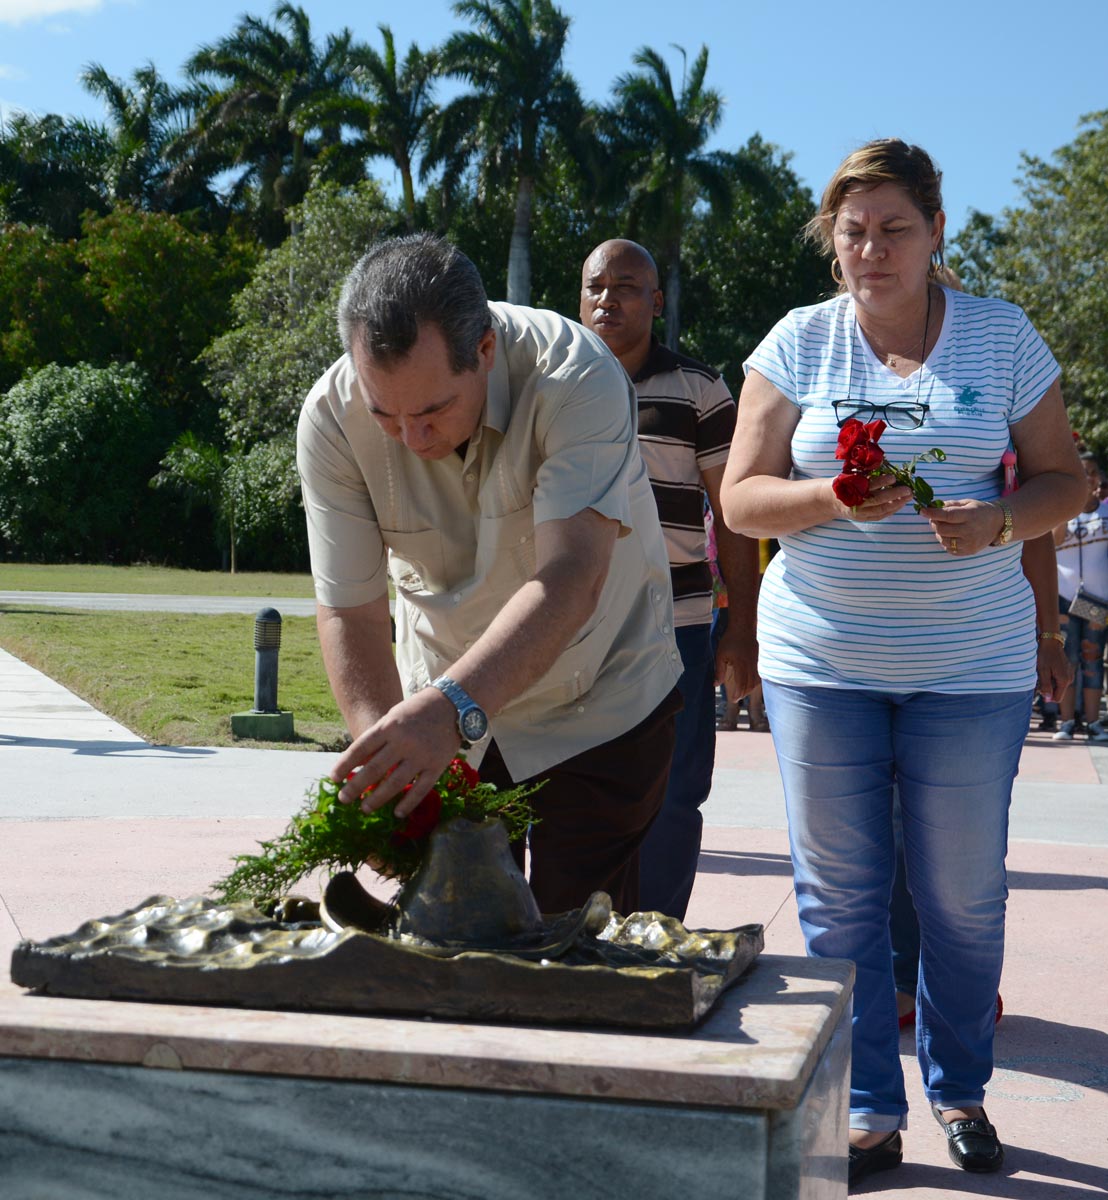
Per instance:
{"type": "Point", "coordinates": [973, 81]}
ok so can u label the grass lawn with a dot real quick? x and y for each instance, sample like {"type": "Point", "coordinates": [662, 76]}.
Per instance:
{"type": "Point", "coordinates": [173, 678]}
{"type": "Point", "coordinates": [148, 580]}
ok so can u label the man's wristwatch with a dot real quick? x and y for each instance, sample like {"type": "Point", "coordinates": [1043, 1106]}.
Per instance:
{"type": "Point", "coordinates": [1005, 534]}
{"type": "Point", "coordinates": [473, 723]}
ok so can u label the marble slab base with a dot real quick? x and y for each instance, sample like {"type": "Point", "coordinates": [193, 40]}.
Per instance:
{"type": "Point", "coordinates": [124, 1133]}
{"type": "Point", "coordinates": [752, 1103]}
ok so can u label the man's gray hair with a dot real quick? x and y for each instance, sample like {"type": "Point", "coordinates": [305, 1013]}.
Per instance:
{"type": "Point", "coordinates": [404, 283]}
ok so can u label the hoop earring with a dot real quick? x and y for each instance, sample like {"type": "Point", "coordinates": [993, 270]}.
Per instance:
{"type": "Point", "coordinates": [837, 272]}
{"type": "Point", "coordinates": [938, 262]}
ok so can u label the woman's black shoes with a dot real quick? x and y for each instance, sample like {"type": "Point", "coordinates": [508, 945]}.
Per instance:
{"type": "Point", "coordinates": [973, 1145]}
{"type": "Point", "coordinates": [887, 1154]}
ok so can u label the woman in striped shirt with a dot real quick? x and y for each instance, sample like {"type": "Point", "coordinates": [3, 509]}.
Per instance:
{"type": "Point", "coordinates": [898, 646]}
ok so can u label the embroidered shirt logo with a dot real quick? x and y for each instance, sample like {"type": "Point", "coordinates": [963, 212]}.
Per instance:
{"type": "Point", "coordinates": [967, 400]}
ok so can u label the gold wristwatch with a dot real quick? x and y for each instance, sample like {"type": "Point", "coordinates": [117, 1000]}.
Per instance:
{"type": "Point", "coordinates": [1005, 534]}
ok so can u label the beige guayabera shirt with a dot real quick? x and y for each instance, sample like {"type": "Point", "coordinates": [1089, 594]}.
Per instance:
{"type": "Point", "coordinates": [557, 436]}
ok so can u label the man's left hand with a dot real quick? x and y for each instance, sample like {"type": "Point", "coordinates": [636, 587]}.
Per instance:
{"type": "Point", "coordinates": [412, 743]}
{"type": "Point", "coordinates": [738, 652]}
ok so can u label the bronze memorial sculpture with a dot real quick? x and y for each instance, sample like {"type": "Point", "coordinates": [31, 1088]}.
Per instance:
{"type": "Point", "coordinates": [463, 938]}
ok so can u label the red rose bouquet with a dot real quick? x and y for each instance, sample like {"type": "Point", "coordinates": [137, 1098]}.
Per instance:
{"type": "Point", "coordinates": [863, 458]}
{"type": "Point", "coordinates": [329, 834]}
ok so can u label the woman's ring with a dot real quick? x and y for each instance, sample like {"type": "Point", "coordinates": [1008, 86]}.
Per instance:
{"type": "Point", "coordinates": [953, 545]}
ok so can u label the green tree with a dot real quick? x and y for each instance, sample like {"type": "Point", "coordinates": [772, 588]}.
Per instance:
{"type": "Point", "coordinates": [77, 446]}
{"type": "Point", "coordinates": [164, 290]}
{"type": "Point", "coordinates": [51, 171]}
{"type": "Point", "coordinates": [45, 315]}
{"type": "Point", "coordinates": [767, 267]}
{"type": "Point", "coordinates": [250, 116]}
{"type": "Point", "coordinates": [520, 102]}
{"type": "Point", "coordinates": [1048, 255]}
{"type": "Point", "coordinates": [658, 137]}
{"type": "Point", "coordinates": [283, 335]}
{"type": "Point", "coordinates": [142, 120]}
{"type": "Point", "coordinates": [390, 105]}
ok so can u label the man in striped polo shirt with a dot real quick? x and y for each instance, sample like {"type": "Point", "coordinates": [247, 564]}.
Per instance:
{"type": "Point", "coordinates": [686, 419]}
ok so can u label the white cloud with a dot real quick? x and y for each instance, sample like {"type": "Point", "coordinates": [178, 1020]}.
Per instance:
{"type": "Point", "coordinates": [16, 12]}
{"type": "Point", "coordinates": [7, 71]}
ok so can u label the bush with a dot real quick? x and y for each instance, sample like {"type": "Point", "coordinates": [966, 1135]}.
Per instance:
{"type": "Point", "coordinates": [77, 447]}
{"type": "Point", "coordinates": [284, 335]}
{"type": "Point", "coordinates": [270, 530]}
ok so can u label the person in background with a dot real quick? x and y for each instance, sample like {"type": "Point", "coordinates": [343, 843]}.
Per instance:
{"type": "Point", "coordinates": [483, 458]}
{"type": "Point", "coordinates": [686, 418]}
{"type": "Point", "coordinates": [1055, 674]}
{"type": "Point", "coordinates": [897, 647]}
{"type": "Point", "coordinates": [1082, 548]}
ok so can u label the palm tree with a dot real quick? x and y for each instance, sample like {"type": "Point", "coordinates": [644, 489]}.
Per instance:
{"type": "Point", "coordinates": [521, 99]}
{"type": "Point", "coordinates": [52, 170]}
{"type": "Point", "coordinates": [390, 105]}
{"type": "Point", "coordinates": [659, 137]}
{"type": "Point", "coordinates": [143, 119]}
{"type": "Point", "coordinates": [265, 75]}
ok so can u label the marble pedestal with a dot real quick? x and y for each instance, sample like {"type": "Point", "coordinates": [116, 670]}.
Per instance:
{"type": "Point", "coordinates": [129, 1101]}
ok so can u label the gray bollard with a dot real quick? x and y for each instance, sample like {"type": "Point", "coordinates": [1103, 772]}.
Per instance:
{"type": "Point", "coordinates": [267, 644]}
{"type": "Point", "coordinates": [265, 722]}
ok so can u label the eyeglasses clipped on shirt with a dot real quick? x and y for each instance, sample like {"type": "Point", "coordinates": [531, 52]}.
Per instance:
{"type": "Point", "coordinates": [895, 415]}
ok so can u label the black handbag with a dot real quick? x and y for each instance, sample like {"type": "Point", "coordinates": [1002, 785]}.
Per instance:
{"type": "Point", "coordinates": [1084, 604]}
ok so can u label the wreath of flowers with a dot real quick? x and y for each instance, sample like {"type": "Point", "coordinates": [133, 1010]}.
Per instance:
{"type": "Point", "coordinates": [328, 834]}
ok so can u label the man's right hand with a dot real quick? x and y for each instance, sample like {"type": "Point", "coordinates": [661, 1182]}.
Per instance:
{"type": "Point", "coordinates": [412, 743]}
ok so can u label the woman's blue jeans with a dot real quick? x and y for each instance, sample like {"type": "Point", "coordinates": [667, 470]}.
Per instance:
{"type": "Point", "coordinates": [954, 758]}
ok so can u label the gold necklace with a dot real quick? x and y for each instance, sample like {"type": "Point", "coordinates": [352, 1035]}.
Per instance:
{"type": "Point", "coordinates": [892, 359]}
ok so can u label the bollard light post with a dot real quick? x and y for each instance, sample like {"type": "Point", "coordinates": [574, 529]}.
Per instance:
{"type": "Point", "coordinates": [265, 722]}
{"type": "Point", "coordinates": [267, 643]}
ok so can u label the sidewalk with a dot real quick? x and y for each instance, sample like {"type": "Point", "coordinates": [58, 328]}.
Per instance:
{"type": "Point", "coordinates": [93, 820]}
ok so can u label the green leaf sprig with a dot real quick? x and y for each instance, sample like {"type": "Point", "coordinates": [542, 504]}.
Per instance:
{"type": "Point", "coordinates": [329, 835]}
{"type": "Point", "coordinates": [923, 495]}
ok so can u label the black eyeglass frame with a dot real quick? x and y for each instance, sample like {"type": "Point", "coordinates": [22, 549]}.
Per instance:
{"type": "Point", "coordinates": [916, 412]}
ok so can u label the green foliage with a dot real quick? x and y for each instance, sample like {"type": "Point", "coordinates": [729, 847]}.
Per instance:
{"type": "Point", "coordinates": [77, 445]}
{"type": "Point", "coordinates": [263, 488]}
{"type": "Point", "coordinates": [284, 335]}
{"type": "Point", "coordinates": [329, 835]}
{"type": "Point", "coordinates": [658, 137]}
{"type": "Point", "coordinates": [745, 272]}
{"type": "Point", "coordinates": [1048, 256]}
{"type": "Point", "coordinates": [44, 313]}
{"type": "Point", "coordinates": [52, 169]}
{"type": "Point", "coordinates": [252, 498]}
{"type": "Point", "coordinates": [252, 88]}
{"type": "Point", "coordinates": [521, 103]}
{"type": "Point", "coordinates": [165, 291]}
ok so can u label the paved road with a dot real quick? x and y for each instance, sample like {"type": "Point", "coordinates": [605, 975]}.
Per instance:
{"type": "Point", "coordinates": [287, 606]}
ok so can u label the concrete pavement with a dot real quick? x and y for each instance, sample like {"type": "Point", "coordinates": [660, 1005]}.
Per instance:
{"type": "Point", "coordinates": [92, 820]}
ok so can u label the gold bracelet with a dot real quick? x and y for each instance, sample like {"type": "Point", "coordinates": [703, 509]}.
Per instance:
{"type": "Point", "coordinates": [1054, 634]}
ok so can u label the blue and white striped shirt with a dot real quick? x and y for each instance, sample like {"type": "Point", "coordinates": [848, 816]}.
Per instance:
{"type": "Point", "coordinates": [880, 604]}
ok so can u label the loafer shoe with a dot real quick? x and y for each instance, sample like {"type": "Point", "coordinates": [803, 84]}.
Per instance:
{"type": "Point", "coordinates": [887, 1154]}
{"type": "Point", "coordinates": [973, 1145]}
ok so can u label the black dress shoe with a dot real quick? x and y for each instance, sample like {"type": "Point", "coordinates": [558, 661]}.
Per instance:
{"type": "Point", "coordinates": [973, 1145]}
{"type": "Point", "coordinates": [883, 1157]}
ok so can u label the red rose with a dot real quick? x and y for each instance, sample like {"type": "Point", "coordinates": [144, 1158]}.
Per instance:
{"type": "Point", "coordinates": [851, 433]}
{"type": "Point", "coordinates": [421, 820]}
{"type": "Point", "coordinates": [850, 489]}
{"type": "Point", "coordinates": [864, 457]}
{"type": "Point", "coordinates": [875, 429]}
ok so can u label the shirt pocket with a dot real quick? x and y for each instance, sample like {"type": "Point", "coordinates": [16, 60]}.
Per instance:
{"type": "Point", "coordinates": [574, 673]}
{"type": "Point", "coordinates": [417, 560]}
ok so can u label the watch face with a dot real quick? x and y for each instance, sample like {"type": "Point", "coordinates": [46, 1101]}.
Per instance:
{"type": "Point", "coordinates": [474, 724]}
